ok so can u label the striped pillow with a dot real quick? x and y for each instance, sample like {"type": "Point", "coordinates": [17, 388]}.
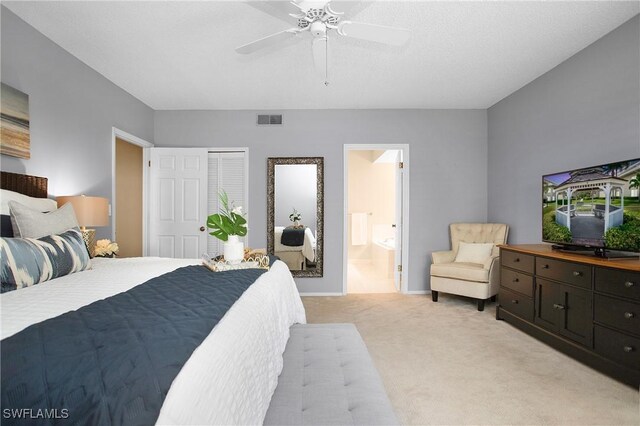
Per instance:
{"type": "Point", "coordinates": [29, 261]}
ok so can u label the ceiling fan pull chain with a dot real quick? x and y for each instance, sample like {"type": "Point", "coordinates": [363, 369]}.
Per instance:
{"type": "Point", "coordinates": [326, 62]}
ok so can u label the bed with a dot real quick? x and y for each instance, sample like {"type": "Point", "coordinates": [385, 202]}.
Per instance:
{"type": "Point", "coordinates": [231, 375]}
{"type": "Point", "coordinates": [295, 256]}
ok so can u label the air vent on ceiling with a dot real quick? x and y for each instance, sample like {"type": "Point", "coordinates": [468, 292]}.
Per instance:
{"type": "Point", "coordinates": [269, 120]}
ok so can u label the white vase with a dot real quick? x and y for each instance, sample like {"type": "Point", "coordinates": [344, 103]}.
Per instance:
{"type": "Point", "coordinates": [234, 250]}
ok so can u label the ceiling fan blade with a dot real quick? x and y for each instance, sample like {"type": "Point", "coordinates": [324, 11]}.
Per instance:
{"type": "Point", "coordinates": [277, 9]}
{"type": "Point", "coordinates": [267, 41]}
{"type": "Point", "coordinates": [320, 55]}
{"type": "Point", "coordinates": [377, 33]}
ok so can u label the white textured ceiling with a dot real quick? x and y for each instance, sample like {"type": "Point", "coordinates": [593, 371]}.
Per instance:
{"type": "Point", "coordinates": [180, 55]}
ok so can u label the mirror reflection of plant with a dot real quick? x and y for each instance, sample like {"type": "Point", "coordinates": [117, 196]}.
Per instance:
{"type": "Point", "coordinates": [296, 215]}
{"type": "Point", "coordinates": [230, 221]}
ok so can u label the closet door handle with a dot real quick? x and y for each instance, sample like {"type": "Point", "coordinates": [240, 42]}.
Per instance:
{"type": "Point", "coordinates": [202, 228]}
{"type": "Point", "coordinates": [558, 306]}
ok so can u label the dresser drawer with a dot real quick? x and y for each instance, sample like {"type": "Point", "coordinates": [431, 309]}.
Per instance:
{"type": "Point", "coordinates": [617, 346]}
{"type": "Point", "coordinates": [620, 283]}
{"type": "Point", "coordinates": [517, 281]}
{"type": "Point", "coordinates": [516, 304]}
{"type": "Point", "coordinates": [618, 313]}
{"type": "Point", "coordinates": [571, 273]}
{"type": "Point", "coordinates": [519, 261]}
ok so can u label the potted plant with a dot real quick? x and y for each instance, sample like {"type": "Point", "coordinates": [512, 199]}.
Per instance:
{"type": "Point", "coordinates": [295, 217]}
{"type": "Point", "coordinates": [229, 225]}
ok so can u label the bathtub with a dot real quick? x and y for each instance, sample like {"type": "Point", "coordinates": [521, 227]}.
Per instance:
{"type": "Point", "coordinates": [387, 243]}
{"type": "Point", "coordinates": [383, 252]}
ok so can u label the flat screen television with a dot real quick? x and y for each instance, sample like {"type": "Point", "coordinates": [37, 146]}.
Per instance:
{"type": "Point", "coordinates": [593, 208]}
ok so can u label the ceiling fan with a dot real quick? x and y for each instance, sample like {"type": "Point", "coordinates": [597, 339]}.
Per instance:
{"type": "Point", "coordinates": [319, 19]}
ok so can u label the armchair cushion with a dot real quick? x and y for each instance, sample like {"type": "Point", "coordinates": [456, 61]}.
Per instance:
{"type": "Point", "coordinates": [473, 252]}
{"type": "Point", "coordinates": [461, 271]}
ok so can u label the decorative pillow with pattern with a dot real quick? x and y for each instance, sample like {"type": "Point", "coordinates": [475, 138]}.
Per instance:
{"type": "Point", "coordinates": [28, 261]}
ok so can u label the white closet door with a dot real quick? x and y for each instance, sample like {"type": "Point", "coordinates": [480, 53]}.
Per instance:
{"type": "Point", "coordinates": [227, 171]}
{"type": "Point", "coordinates": [178, 208]}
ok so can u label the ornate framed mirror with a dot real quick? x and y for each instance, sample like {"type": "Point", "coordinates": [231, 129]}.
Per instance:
{"type": "Point", "coordinates": [295, 213]}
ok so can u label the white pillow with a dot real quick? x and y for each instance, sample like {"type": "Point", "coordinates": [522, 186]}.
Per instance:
{"type": "Point", "coordinates": [39, 204]}
{"type": "Point", "coordinates": [29, 223]}
{"type": "Point", "coordinates": [473, 252]}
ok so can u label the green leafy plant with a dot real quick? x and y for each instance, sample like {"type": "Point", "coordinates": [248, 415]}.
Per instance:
{"type": "Point", "coordinates": [230, 221]}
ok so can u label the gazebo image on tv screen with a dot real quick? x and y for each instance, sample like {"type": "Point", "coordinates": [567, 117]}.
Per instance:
{"type": "Point", "coordinates": [595, 207]}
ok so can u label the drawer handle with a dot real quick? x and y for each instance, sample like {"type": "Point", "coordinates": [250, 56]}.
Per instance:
{"type": "Point", "coordinates": [514, 301]}
{"type": "Point", "coordinates": [516, 280]}
{"type": "Point", "coordinates": [629, 315]}
{"type": "Point", "coordinates": [628, 284]}
{"type": "Point", "coordinates": [628, 349]}
{"type": "Point", "coordinates": [577, 273]}
{"type": "Point", "coordinates": [558, 306]}
{"type": "Point", "coordinates": [545, 266]}
{"type": "Point", "coordinates": [516, 260]}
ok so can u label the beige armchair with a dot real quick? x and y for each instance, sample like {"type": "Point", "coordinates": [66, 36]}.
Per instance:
{"type": "Point", "coordinates": [477, 280]}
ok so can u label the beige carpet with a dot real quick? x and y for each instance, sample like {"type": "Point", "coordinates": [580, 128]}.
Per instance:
{"type": "Point", "coordinates": [363, 277]}
{"type": "Point", "coordinates": [447, 363]}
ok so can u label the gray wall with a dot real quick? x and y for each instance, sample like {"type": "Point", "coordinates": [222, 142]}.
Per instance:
{"type": "Point", "coordinates": [72, 110]}
{"type": "Point", "coordinates": [448, 168]}
{"type": "Point", "coordinates": [296, 187]}
{"type": "Point", "coordinates": [584, 112]}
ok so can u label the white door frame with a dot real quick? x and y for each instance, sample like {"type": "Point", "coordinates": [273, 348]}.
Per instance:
{"type": "Point", "coordinates": [404, 288]}
{"type": "Point", "coordinates": [128, 137]}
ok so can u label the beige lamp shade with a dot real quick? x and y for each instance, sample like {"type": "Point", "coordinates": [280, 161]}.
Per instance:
{"type": "Point", "coordinates": [90, 211]}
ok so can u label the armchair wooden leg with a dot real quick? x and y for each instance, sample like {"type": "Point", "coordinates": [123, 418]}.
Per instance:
{"type": "Point", "coordinates": [434, 295]}
{"type": "Point", "coordinates": [481, 305]}
{"type": "Point", "coordinates": [493, 298]}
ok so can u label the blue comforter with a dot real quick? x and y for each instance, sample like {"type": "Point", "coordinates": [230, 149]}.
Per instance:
{"type": "Point", "coordinates": [113, 361]}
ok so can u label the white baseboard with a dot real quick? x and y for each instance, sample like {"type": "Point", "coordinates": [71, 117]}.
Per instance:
{"type": "Point", "coordinates": [320, 294]}
{"type": "Point", "coordinates": [314, 294]}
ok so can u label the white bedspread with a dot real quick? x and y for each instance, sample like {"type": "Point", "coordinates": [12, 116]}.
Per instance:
{"type": "Point", "coordinates": [229, 378]}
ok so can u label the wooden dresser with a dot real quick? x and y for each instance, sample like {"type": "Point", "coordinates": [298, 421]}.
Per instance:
{"type": "Point", "coordinates": [586, 307]}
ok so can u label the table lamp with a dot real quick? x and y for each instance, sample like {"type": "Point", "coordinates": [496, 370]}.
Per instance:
{"type": "Point", "coordinates": [90, 211]}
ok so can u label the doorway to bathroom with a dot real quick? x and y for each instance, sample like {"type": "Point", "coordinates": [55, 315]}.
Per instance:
{"type": "Point", "coordinates": [376, 218]}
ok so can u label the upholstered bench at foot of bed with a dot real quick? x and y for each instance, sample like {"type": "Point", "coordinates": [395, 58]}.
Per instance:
{"type": "Point", "coordinates": [328, 379]}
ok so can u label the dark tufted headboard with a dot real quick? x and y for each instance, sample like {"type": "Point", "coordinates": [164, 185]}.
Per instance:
{"type": "Point", "coordinates": [33, 186]}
